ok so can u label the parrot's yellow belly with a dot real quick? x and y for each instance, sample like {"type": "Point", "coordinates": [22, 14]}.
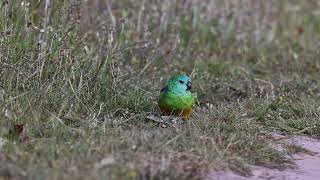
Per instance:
{"type": "Point", "coordinates": [180, 112]}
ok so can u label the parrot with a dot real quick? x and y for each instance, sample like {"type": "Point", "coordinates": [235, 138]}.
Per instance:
{"type": "Point", "coordinates": [176, 97]}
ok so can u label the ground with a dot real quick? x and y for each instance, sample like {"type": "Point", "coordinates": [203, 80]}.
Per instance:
{"type": "Point", "coordinates": [306, 158]}
{"type": "Point", "coordinates": [79, 81]}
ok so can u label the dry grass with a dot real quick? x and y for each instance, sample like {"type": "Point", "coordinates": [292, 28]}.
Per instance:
{"type": "Point", "coordinates": [79, 78]}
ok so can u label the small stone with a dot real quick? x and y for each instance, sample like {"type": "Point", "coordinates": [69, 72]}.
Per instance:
{"type": "Point", "coordinates": [163, 126]}
{"type": "Point", "coordinates": [105, 162]}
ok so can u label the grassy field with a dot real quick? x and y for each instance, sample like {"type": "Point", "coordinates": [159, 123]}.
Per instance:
{"type": "Point", "coordinates": [78, 80]}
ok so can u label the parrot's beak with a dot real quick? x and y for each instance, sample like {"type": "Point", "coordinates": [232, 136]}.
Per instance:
{"type": "Point", "coordinates": [189, 86]}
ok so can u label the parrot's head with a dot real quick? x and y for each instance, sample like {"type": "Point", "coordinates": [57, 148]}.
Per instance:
{"type": "Point", "coordinates": [180, 84]}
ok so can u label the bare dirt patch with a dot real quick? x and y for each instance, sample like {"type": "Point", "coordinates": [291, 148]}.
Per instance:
{"type": "Point", "coordinates": [307, 164]}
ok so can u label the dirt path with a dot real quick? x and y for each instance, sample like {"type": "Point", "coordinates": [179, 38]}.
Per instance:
{"type": "Point", "coordinates": [308, 166]}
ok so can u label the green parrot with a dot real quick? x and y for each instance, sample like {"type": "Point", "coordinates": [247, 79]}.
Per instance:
{"type": "Point", "coordinates": [176, 97]}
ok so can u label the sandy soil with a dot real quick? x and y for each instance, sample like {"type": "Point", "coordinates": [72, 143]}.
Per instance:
{"type": "Point", "coordinates": [308, 166]}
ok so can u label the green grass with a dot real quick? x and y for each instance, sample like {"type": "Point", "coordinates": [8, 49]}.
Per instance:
{"type": "Point", "coordinates": [79, 78]}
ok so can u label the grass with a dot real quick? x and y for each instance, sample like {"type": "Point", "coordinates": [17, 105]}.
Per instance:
{"type": "Point", "coordinates": [79, 78]}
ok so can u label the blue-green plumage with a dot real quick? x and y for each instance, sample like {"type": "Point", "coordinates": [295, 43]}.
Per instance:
{"type": "Point", "coordinates": [176, 96]}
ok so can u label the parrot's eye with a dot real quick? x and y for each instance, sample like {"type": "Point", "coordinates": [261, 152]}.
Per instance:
{"type": "Point", "coordinates": [181, 81]}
